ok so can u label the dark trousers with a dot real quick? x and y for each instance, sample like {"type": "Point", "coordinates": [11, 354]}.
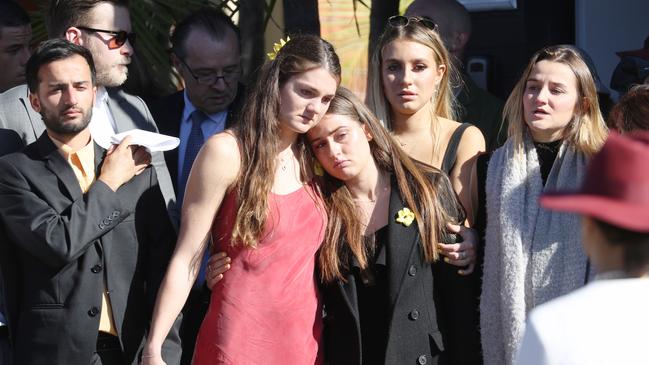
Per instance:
{"type": "Point", "coordinates": [109, 351]}
{"type": "Point", "coordinates": [193, 314]}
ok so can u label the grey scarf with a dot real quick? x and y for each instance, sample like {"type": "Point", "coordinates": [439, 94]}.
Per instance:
{"type": "Point", "coordinates": [532, 255]}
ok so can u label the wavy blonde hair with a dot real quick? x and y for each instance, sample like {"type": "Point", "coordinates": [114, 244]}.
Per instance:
{"type": "Point", "coordinates": [587, 131]}
{"type": "Point", "coordinates": [425, 190]}
{"type": "Point", "coordinates": [442, 102]}
{"type": "Point", "coordinates": [257, 130]}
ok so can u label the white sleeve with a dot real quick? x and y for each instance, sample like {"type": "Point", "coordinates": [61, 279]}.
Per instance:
{"type": "Point", "coordinates": [533, 350]}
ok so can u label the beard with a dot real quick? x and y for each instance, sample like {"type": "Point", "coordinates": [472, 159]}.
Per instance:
{"type": "Point", "coordinates": [111, 76]}
{"type": "Point", "coordinates": [57, 123]}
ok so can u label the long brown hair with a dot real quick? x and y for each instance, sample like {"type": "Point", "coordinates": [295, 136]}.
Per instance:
{"type": "Point", "coordinates": [434, 203]}
{"type": "Point", "coordinates": [257, 130]}
{"type": "Point", "coordinates": [587, 131]}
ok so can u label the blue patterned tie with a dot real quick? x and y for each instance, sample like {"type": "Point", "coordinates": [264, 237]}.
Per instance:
{"type": "Point", "coordinates": [194, 143]}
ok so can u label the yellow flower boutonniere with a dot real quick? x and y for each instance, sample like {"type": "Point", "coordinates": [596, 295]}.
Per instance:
{"type": "Point", "coordinates": [405, 216]}
{"type": "Point", "coordinates": [277, 47]}
{"type": "Point", "coordinates": [317, 169]}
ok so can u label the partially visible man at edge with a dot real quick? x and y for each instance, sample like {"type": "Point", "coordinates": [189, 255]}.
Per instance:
{"type": "Point", "coordinates": [15, 35]}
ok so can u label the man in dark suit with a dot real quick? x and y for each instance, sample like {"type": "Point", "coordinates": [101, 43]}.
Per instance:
{"type": "Point", "coordinates": [104, 28]}
{"type": "Point", "coordinates": [89, 227]}
{"type": "Point", "coordinates": [205, 48]}
{"type": "Point", "coordinates": [9, 142]}
{"type": "Point", "coordinates": [477, 106]}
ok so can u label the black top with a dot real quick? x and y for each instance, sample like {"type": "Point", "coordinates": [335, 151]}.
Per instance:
{"type": "Point", "coordinates": [450, 155]}
{"type": "Point", "coordinates": [547, 152]}
{"type": "Point", "coordinates": [373, 302]}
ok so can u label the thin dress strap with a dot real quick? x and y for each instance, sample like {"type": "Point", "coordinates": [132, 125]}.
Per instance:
{"type": "Point", "coordinates": [450, 154]}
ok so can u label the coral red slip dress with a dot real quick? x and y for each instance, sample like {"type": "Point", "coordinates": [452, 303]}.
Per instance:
{"type": "Point", "coordinates": [267, 308]}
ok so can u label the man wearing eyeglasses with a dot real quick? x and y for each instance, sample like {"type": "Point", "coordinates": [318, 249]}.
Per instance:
{"type": "Point", "coordinates": [104, 28]}
{"type": "Point", "coordinates": [206, 54]}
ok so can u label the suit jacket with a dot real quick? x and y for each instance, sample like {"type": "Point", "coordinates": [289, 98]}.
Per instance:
{"type": "Point", "coordinates": [9, 142]}
{"type": "Point", "coordinates": [67, 243]}
{"type": "Point", "coordinates": [483, 110]}
{"type": "Point", "coordinates": [168, 112]}
{"type": "Point", "coordinates": [426, 319]}
{"type": "Point", "coordinates": [128, 111]}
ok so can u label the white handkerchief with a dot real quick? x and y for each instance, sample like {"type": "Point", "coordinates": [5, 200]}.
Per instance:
{"type": "Point", "coordinates": [153, 142]}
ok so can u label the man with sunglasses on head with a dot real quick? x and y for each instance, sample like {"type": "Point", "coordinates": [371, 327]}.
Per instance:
{"type": "Point", "coordinates": [104, 28]}
{"type": "Point", "coordinates": [206, 54]}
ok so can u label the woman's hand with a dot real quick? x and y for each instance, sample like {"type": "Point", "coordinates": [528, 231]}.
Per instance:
{"type": "Point", "coordinates": [461, 254]}
{"type": "Point", "coordinates": [217, 264]}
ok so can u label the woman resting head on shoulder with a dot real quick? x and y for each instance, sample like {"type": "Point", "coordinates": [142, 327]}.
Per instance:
{"type": "Point", "coordinates": [386, 215]}
{"type": "Point", "coordinates": [410, 89]}
{"type": "Point", "coordinates": [533, 255]}
{"type": "Point", "coordinates": [245, 189]}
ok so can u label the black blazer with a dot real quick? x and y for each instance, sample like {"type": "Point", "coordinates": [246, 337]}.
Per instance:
{"type": "Point", "coordinates": [65, 243]}
{"type": "Point", "coordinates": [167, 113]}
{"type": "Point", "coordinates": [427, 323]}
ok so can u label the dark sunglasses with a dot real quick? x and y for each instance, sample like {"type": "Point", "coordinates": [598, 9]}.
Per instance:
{"type": "Point", "coordinates": [119, 39]}
{"type": "Point", "coordinates": [398, 21]}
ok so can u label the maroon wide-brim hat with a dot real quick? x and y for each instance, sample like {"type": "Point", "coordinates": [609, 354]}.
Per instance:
{"type": "Point", "coordinates": [616, 187]}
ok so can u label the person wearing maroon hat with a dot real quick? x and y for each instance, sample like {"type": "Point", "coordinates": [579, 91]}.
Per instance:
{"type": "Point", "coordinates": [606, 321]}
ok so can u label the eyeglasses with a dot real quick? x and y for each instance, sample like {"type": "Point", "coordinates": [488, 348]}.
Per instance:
{"type": "Point", "coordinates": [119, 39]}
{"type": "Point", "coordinates": [398, 21]}
{"type": "Point", "coordinates": [228, 76]}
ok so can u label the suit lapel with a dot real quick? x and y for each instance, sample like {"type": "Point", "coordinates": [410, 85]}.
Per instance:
{"type": "Point", "coordinates": [402, 242]}
{"type": "Point", "coordinates": [59, 166]}
{"type": "Point", "coordinates": [99, 159]}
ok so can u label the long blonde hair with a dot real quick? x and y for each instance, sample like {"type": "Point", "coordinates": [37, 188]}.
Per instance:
{"type": "Point", "coordinates": [587, 131]}
{"type": "Point", "coordinates": [425, 190]}
{"type": "Point", "coordinates": [442, 102]}
{"type": "Point", "coordinates": [257, 130]}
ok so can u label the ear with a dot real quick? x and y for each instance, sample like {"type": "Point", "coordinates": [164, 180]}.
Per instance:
{"type": "Point", "coordinates": [366, 131]}
{"type": "Point", "coordinates": [441, 70]}
{"type": "Point", "coordinates": [36, 104]}
{"type": "Point", "coordinates": [73, 35]}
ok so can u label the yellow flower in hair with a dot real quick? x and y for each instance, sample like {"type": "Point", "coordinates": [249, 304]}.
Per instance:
{"type": "Point", "coordinates": [405, 216]}
{"type": "Point", "coordinates": [317, 169]}
{"type": "Point", "coordinates": [277, 47]}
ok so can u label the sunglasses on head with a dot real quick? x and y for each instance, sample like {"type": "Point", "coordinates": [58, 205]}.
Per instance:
{"type": "Point", "coordinates": [398, 21]}
{"type": "Point", "coordinates": [119, 37]}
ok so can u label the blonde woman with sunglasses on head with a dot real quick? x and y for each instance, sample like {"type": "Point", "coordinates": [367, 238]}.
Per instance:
{"type": "Point", "coordinates": [409, 89]}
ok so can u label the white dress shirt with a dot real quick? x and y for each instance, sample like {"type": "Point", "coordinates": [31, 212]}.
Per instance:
{"type": "Point", "coordinates": [102, 124]}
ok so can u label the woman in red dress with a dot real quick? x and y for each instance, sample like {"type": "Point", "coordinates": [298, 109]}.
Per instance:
{"type": "Point", "coordinates": [250, 192]}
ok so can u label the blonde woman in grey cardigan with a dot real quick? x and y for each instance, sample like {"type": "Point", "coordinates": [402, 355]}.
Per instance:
{"type": "Point", "coordinates": [533, 255]}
